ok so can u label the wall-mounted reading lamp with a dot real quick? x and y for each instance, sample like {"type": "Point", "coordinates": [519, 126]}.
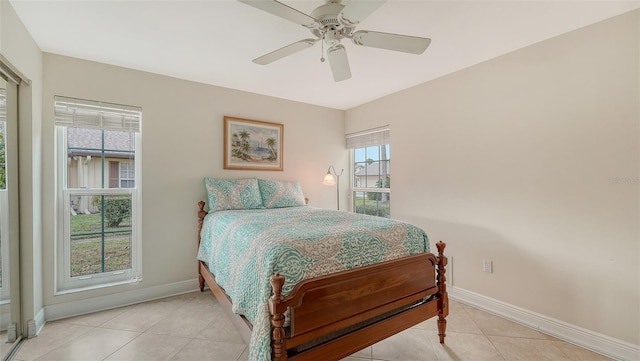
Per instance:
{"type": "Point", "coordinates": [333, 178]}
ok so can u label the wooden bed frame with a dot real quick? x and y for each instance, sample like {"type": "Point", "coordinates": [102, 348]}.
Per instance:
{"type": "Point", "coordinates": [334, 316]}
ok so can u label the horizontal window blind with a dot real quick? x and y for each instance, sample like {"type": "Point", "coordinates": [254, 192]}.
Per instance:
{"type": "Point", "coordinates": [368, 138]}
{"type": "Point", "coordinates": [80, 113]}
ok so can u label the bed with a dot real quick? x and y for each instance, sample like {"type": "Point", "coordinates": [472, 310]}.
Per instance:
{"type": "Point", "coordinates": [304, 283]}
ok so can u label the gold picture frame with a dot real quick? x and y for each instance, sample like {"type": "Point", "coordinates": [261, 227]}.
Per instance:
{"type": "Point", "coordinates": [253, 144]}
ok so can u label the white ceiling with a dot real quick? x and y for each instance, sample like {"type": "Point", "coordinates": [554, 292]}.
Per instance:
{"type": "Point", "coordinates": [214, 41]}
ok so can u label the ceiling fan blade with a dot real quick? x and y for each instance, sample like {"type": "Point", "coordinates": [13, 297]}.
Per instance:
{"type": "Point", "coordinates": [355, 11]}
{"type": "Point", "coordinates": [284, 11]}
{"type": "Point", "coordinates": [397, 42]}
{"type": "Point", "coordinates": [285, 51]}
{"type": "Point", "coordinates": [339, 62]}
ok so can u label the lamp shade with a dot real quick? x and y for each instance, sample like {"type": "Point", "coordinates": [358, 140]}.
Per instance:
{"type": "Point", "coordinates": [329, 180]}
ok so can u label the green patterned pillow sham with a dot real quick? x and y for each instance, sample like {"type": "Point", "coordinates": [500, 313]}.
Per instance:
{"type": "Point", "coordinates": [280, 194]}
{"type": "Point", "coordinates": [224, 194]}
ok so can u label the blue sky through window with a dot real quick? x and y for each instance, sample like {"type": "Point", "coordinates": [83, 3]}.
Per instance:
{"type": "Point", "coordinates": [362, 154]}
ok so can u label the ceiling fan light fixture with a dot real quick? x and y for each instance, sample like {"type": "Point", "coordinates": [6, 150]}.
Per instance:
{"type": "Point", "coordinates": [339, 62]}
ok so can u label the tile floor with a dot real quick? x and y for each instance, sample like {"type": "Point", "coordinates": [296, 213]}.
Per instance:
{"type": "Point", "coordinates": [194, 327]}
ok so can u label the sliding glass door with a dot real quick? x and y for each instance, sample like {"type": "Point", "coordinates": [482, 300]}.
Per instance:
{"type": "Point", "coordinates": [9, 209]}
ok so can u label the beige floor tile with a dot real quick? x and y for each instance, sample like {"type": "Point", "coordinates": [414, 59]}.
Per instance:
{"type": "Point", "coordinates": [457, 321]}
{"type": "Point", "coordinates": [411, 344]}
{"type": "Point", "coordinates": [207, 350]}
{"type": "Point", "coordinates": [141, 317]}
{"type": "Point", "coordinates": [202, 299]}
{"type": "Point", "coordinates": [464, 346]}
{"type": "Point", "coordinates": [183, 322]}
{"type": "Point", "coordinates": [96, 318]}
{"type": "Point", "coordinates": [245, 355]}
{"type": "Point", "coordinates": [498, 326]}
{"type": "Point", "coordinates": [353, 358]}
{"type": "Point", "coordinates": [526, 349]}
{"type": "Point", "coordinates": [576, 353]}
{"type": "Point", "coordinates": [150, 347]}
{"type": "Point", "coordinates": [52, 336]}
{"type": "Point", "coordinates": [220, 329]}
{"type": "Point", "coordinates": [96, 344]}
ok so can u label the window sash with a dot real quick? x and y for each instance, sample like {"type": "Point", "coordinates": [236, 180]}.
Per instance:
{"type": "Point", "coordinates": [64, 282]}
{"type": "Point", "coordinates": [87, 280]}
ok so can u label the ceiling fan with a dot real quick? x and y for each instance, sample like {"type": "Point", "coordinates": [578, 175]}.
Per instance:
{"type": "Point", "coordinates": [332, 22]}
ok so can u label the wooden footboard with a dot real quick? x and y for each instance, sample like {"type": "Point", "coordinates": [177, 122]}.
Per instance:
{"type": "Point", "coordinates": [354, 309]}
{"type": "Point", "coordinates": [333, 316]}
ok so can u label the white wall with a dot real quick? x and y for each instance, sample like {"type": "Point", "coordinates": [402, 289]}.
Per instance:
{"type": "Point", "coordinates": [182, 143]}
{"type": "Point", "coordinates": [17, 46]}
{"type": "Point", "coordinates": [531, 160]}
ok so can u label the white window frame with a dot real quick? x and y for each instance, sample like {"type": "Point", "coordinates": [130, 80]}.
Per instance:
{"type": "Point", "coordinates": [64, 282]}
{"type": "Point", "coordinates": [368, 138]}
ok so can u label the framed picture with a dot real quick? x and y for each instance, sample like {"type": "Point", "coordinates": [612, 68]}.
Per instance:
{"type": "Point", "coordinates": [252, 144]}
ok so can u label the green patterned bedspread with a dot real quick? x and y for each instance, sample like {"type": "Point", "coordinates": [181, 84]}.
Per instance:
{"type": "Point", "coordinates": [243, 248]}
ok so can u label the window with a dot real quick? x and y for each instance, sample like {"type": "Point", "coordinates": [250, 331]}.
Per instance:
{"type": "Point", "coordinates": [127, 175]}
{"type": "Point", "coordinates": [371, 173]}
{"type": "Point", "coordinates": [98, 204]}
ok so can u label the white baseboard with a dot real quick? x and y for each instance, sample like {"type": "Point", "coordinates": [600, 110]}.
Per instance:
{"type": "Point", "coordinates": [603, 344]}
{"type": "Point", "coordinates": [80, 307]}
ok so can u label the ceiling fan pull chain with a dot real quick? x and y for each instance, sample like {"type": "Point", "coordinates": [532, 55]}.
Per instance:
{"type": "Point", "coordinates": [322, 48]}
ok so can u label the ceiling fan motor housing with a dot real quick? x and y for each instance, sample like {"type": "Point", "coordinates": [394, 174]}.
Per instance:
{"type": "Point", "coordinates": [327, 15]}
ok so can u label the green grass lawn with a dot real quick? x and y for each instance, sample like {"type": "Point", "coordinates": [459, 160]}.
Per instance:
{"type": "Point", "coordinates": [86, 223]}
{"type": "Point", "coordinates": [86, 250]}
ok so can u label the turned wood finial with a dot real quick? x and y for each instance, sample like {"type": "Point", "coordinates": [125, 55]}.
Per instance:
{"type": "Point", "coordinates": [277, 281]}
{"type": "Point", "coordinates": [201, 213]}
{"type": "Point", "coordinates": [440, 246]}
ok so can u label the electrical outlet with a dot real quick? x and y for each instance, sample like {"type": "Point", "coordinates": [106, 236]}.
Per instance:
{"type": "Point", "coordinates": [487, 265]}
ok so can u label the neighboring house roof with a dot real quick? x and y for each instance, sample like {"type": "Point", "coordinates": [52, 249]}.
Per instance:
{"type": "Point", "coordinates": [372, 169]}
{"type": "Point", "coordinates": [83, 142]}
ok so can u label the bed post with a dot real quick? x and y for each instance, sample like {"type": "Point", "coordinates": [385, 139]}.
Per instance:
{"type": "Point", "coordinates": [277, 309]}
{"type": "Point", "coordinates": [201, 214]}
{"type": "Point", "coordinates": [443, 303]}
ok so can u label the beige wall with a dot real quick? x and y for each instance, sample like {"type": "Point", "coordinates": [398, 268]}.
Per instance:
{"type": "Point", "coordinates": [531, 160]}
{"type": "Point", "coordinates": [182, 143]}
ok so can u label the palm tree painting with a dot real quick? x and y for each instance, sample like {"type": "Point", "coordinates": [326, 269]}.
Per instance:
{"type": "Point", "coordinates": [252, 144]}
